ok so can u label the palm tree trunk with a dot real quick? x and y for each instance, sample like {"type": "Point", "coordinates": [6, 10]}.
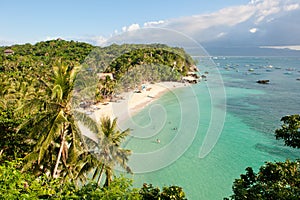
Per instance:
{"type": "Point", "coordinates": [100, 174]}
{"type": "Point", "coordinates": [108, 180]}
{"type": "Point", "coordinates": [60, 152]}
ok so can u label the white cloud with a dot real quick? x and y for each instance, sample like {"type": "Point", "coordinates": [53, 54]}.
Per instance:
{"type": "Point", "coordinates": [266, 8]}
{"type": "Point", "coordinates": [291, 47]}
{"type": "Point", "coordinates": [95, 40]}
{"type": "Point", "coordinates": [255, 1]}
{"type": "Point", "coordinates": [235, 22]}
{"type": "Point", "coordinates": [210, 26]}
{"type": "Point", "coordinates": [291, 7]}
{"type": "Point", "coordinates": [221, 35]}
{"type": "Point", "coordinates": [206, 27]}
{"type": "Point", "coordinates": [4, 42]}
{"type": "Point", "coordinates": [124, 28]}
{"type": "Point", "coordinates": [52, 38]}
{"type": "Point", "coordinates": [153, 23]}
{"type": "Point", "coordinates": [100, 40]}
{"type": "Point", "coordinates": [253, 30]}
{"type": "Point", "coordinates": [132, 27]}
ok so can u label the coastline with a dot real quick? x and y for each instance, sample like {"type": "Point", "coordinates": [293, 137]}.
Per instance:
{"type": "Point", "coordinates": [132, 102]}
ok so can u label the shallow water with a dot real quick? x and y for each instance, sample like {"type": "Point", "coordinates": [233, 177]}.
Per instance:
{"type": "Point", "coordinates": [181, 119]}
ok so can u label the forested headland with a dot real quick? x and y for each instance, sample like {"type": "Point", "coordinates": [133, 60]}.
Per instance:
{"type": "Point", "coordinates": [43, 153]}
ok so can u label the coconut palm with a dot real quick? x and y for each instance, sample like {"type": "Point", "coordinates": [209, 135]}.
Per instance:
{"type": "Point", "coordinates": [108, 150]}
{"type": "Point", "coordinates": [58, 141]}
{"type": "Point", "coordinates": [107, 87]}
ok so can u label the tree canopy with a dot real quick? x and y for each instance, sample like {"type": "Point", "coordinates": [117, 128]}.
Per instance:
{"type": "Point", "coordinates": [290, 131]}
{"type": "Point", "coordinates": [279, 180]}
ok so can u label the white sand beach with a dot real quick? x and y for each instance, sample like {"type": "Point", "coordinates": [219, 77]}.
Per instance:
{"type": "Point", "coordinates": [132, 102]}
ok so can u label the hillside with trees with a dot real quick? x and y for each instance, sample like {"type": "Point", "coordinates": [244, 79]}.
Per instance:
{"type": "Point", "coordinates": [43, 154]}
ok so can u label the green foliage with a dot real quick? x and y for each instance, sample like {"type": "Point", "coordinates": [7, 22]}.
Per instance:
{"type": "Point", "coordinates": [13, 144]}
{"type": "Point", "coordinates": [42, 54]}
{"type": "Point", "coordinates": [132, 65]}
{"type": "Point", "coordinates": [120, 188]}
{"type": "Point", "coordinates": [290, 131]}
{"type": "Point", "coordinates": [148, 192]}
{"type": "Point", "coordinates": [172, 193]}
{"type": "Point", "coordinates": [156, 56]}
{"type": "Point", "coordinates": [102, 59]}
{"type": "Point", "coordinates": [107, 150]}
{"type": "Point", "coordinates": [106, 87]}
{"type": "Point", "coordinates": [22, 78]}
{"type": "Point", "coordinates": [17, 185]}
{"type": "Point", "coordinates": [37, 84]}
{"type": "Point", "coordinates": [51, 126]}
{"type": "Point", "coordinates": [280, 180]}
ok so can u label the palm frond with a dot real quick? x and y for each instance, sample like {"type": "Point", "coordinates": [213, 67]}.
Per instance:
{"type": "Point", "coordinates": [57, 93]}
{"type": "Point", "coordinates": [29, 160]}
{"type": "Point", "coordinates": [86, 120]}
{"type": "Point", "coordinates": [53, 133]}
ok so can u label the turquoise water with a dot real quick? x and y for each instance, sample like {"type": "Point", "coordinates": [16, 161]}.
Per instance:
{"type": "Point", "coordinates": [181, 120]}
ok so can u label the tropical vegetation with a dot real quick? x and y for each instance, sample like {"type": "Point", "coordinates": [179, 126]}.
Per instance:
{"type": "Point", "coordinates": [43, 152]}
{"type": "Point", "coordinates": [41, 143]}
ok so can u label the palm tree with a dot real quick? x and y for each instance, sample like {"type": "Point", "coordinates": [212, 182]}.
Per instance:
{"type": "Point", "coordinates": [108, 150]}
{"type": "Point", "coordinates": [107, 87]}
{"type": "Point", "coordinates": [53, 126]}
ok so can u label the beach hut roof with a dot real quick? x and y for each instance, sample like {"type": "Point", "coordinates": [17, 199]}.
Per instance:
{"type": "Point", "coordinates": [8, 51]}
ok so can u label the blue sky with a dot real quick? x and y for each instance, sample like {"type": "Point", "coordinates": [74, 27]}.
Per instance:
{"type": "Point", "coordinates": [33, 20]}
{"type": "Point", "coordinates": [205, 21]}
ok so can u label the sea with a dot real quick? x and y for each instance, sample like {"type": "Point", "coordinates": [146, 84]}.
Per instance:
{"type": "Point", "coordinates": [203, 136]}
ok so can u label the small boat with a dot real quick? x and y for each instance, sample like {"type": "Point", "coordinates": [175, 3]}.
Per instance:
{"type": "Point", "coordinates": [290, 69]}
{"type": "Point", "coordinates": [263, 81]}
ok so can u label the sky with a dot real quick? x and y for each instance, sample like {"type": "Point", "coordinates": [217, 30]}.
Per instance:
{"type": "Point", "coordinates": [263, 23]}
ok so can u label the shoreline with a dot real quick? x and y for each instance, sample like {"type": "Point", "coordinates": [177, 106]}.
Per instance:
{"type": "Point", "coordinates": [133, 102]}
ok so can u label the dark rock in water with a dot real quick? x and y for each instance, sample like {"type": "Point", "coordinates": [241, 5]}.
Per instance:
{"type": "Point", "coordinates": [298, 79]}
{"type": "Point", "coordinates": [263, 81]}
